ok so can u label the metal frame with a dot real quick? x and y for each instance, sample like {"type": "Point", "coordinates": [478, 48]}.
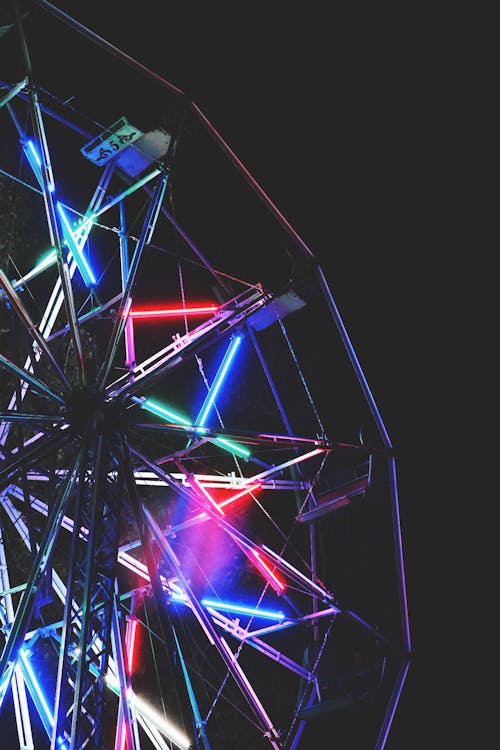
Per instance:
{"type": "Point", "coordinates": [75, 475]}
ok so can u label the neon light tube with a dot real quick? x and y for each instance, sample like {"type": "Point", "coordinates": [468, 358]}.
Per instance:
{"type": "Point", "coordinates": [13, 92]}
{"type": "Point", "coordinates": [227, 606]}
{"type": "Point", "coordinates": [47, 261]}
{"type": "Point", "coordinates": [117, 198]}
{"type": "Point", "coordinates": [130, 647]}
{"type": "Point", "coordinates": [239, 494]}
{"type": "Point", "coordinates": [163, 725]}
{"type": "Point", "coordinates": [284, 465]}
{"type": "Point", "coordinates": [76, 249]}
{"type": "Point", "coordinates": [34, 161]}
{"type": "Point", "coordinates": [44, 709]}
{"type": "Point", "coordinates": [171, 312]}
{"type": "Point", "coordinates": [21, 709]}
{"type": "Point", "coordinates": [227, 501]}
{"type": "Point", "coordinates": [219, 379]}
{"type": "Point", "coordinates": [232, 447]}
{"type": "Point", "coordinates": [35, 154]}
{"type": "Point", "coordinates": [258, 563]}
{"type": "Point", "coordinates": [162, 411]}
{"type": "Point", "coordinates": [82, 231]}
{"type": "Point", "coordinates": [208, 496]}
{"type": "Point", "coordinates": [294, 571]}
{"type": "Point", "coordinates": [179, 597]}
{"type": "Point", "coordinates": [126, 716]}
{"type": "Point", "coordinates": [131, 640]}
{"type": "Point", "coordinates": [5, 682]}
{"type": "Point", "coordinates": [269, 574]}
{"type": "Point", "coordinates": [129, 343]}
{"type": "Point", "coordinates": [38, 162]}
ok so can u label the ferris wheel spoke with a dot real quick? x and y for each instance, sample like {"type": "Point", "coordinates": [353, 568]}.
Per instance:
{"type": "Point", "coordinates": [147, 231]}
{"type": "Point", "coordinates": [42, 560]}
{"type": "Point", "coordinates": [19, 460]}
{"type": "Point", "coordinates": [30, 326]}
{"type": "Point", "coordinates": [149, 543]}
{"type": "Point", "coordinates": [26, 377]}
{"type": "Point", "coordinates": [226, 654]}
{"type": "Point", "coordinates": [49, 187]}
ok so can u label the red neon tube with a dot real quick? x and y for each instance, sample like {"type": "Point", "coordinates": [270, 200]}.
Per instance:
{"type": "Point", "coordinates": [170, 312]}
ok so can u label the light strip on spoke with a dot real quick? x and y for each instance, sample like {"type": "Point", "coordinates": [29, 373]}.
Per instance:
{"type": "Point", "coordinates": [75, 246]}
{"type": "Point", "coordinates": [241, 609]}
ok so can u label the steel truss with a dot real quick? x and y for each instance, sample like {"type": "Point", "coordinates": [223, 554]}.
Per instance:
{"type": "Point", "coordinates": [128, 507]}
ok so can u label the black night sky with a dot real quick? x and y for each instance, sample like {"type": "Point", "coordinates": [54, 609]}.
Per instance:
{"type": "Point", "coordinates": [330, 109]}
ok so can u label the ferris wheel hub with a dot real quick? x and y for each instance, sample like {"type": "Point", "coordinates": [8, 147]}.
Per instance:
{"type": "Point", "coordinates": [88, 407]}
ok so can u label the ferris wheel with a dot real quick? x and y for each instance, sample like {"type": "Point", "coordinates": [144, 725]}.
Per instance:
{"type": "Point", "coordinates": [200, 543]}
